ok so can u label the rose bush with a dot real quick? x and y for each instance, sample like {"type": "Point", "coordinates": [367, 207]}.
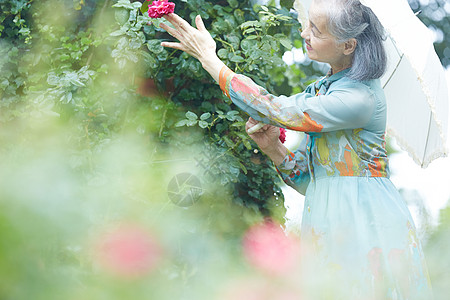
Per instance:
{"type": "Point", "coordinates": [96, 119]}
{"type": "Point", "coordinates": [251, 40]}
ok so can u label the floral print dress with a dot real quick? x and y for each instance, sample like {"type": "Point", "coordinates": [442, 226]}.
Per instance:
{"type": "Point", "coordinates": [354, 218]}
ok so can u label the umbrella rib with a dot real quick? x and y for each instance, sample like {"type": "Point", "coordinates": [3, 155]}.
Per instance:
{"type": "Point", "coordinates": [393, 72]}
{"type": "Point", "coordinates": [426, 142]}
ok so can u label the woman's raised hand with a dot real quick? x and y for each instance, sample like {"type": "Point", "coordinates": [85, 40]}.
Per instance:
{"type": "Point", "coordinates": [194, 41]}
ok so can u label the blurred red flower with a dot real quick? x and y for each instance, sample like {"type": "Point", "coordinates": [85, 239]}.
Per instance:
{"type": "Point", "coordinates": [128, 251]}
{"type": "Point", "coordinates": [160, 8]}
{"type": "Point", "coordinates": [267, 247]}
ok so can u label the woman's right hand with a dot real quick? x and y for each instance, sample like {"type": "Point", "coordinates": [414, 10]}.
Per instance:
{"type": "Point", "coordinates": [196, 42]}
{"type": "Point", "coordinates": [267, 137]}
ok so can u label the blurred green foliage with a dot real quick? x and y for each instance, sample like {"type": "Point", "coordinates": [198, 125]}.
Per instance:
{"type": "Point", "coordinates": [96, 118]}
{"type": "Point", "coordinates": [55, 208]}
{"type": "Point", "coordinates": [72, 63]}
{"type": "Point", "coordinates": [437, 253]}
{"type": "Point", "coordinates": [436, 15]}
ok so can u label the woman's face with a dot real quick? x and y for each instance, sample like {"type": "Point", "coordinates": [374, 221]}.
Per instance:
{"type": "Point", "coordinates": [320, 44]}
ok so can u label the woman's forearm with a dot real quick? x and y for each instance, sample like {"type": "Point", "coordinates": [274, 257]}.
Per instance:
{"type": "Point", "coordinates": [277, 153]}
{"type": "Point", "coordinates": [212, 64]}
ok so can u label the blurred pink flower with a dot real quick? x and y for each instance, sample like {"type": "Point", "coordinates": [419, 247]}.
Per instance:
{"type": "Point", "coordinates": [267, 247]}
{"type": "Point", "coordinates": [282, 135]}
{"type": "Point", "coordinates": [260, 289]}
{"type": "Point", "coordinates": [129, 251]}
{"type": "Point", "coordinates": [160, 8]}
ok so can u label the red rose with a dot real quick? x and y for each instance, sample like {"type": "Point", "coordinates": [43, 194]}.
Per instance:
{"type": "Point", "coordinates": [160, 8]}
{"type": "Point", "coordinates": [282, 135]}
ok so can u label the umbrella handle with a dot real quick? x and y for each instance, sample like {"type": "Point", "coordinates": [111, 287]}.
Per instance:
{"type": "Point", "coordinates": [255, 128]}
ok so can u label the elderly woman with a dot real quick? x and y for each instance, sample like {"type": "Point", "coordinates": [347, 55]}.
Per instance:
{"type": "Point", "coordinates": [354, 218]}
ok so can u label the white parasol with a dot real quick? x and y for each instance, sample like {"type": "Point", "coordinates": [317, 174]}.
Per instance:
{"type": "Point", "coordinates": [415, 84]}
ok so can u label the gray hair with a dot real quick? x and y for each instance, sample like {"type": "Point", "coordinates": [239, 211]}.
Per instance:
{"type": "Point", "coordinates": [350, 19]}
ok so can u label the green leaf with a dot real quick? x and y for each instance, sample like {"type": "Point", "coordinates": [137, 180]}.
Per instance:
{"type": "Point", "coordinates": [239, 15]}
{"type": "Point", "coordinates": [234, 40]}
{"type": "Point", "coordinates": [249, 30]}
{"type": "Point", "coordinates": [117, 32]}
{"type": "Point", "coordinates": [220, 25]}
{"type": "Point", "coordinates": [150, 61]}
{"type": "Point", "coordinates": [228, 141]}
{"type": "Point", "coordinates": [205, 116]}
{"type": "Point", "coordinates": [203, 124]}
{"type": "Point", "coordinates": [243, 168]}
{"type": "Point", "coordinates": [251, 37]}
{"type": "Point", "coordinates": [287, 3]}
{"type": "Point", "coordinates": [191, 122]}
{"type": "Point", "coordinates": [237, 59]}
{"type": "Point", "coordinates": [136, 5]}
{"type": "Point", "coordinates": [247, 145]}
{"type": "Point", "coordinates": [247, 44]}
{"type": "Point", "coordinates": [135, 43]}
{"type": "Point", "coordinates": [233, 3]}
{"type": "Point", "coordinates": [191, 116]}
{"type": "Point", "coordinates": [286, 43]}
{"type": "Point", "coordinates": [181, 123]}
{"type": "Point", "coordinates": [238, 124]}
{"type": "Point", "coordinates": [163, 55]}
{"type": "Point", "coordinates": [124, 3]}
{"type": "Point", "coordinates": [155, 46]}
{"type": "Point", "coordinates": [144, 7]}
{"type": "Point", "coordinates": [249, 23]}
{"type": "Point", "coordinates": [122, 15]}
{"type": "Point", "coordinates": [24, 31]}
{"type": "Point", "coordinates": [234, 171]}
{"type": "Point", "coordinates": [85, 41]}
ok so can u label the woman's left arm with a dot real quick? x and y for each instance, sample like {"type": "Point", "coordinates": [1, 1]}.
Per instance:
{"type": "Point", "coordinates": [347, 104]}
{"type": "Point", "coordinates": [196, 42]}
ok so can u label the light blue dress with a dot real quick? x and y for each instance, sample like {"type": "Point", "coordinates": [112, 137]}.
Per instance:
{"type": "Point", "coordinates": [354, 218]}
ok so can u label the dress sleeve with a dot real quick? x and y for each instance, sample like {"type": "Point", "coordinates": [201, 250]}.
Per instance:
{"type": "Point", "coordinates": [294, 168]}
{"type": "Point", "coordinates": [345, 106]}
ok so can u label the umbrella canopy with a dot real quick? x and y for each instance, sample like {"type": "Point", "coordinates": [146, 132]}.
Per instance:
{"type": "Point", "coordinates": [414, 84]}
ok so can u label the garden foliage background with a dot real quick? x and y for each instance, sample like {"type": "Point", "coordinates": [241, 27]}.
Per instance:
{"type": "Point", "coordinates": [97, 124]}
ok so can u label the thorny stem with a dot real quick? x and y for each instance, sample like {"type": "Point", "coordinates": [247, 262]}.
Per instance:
{"type": "Point", "coordinates": [232, 50]}
{"type": "Point", "coordinates": [225, 43]}
{"type": "Point", "coordinates": [163, 121]}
